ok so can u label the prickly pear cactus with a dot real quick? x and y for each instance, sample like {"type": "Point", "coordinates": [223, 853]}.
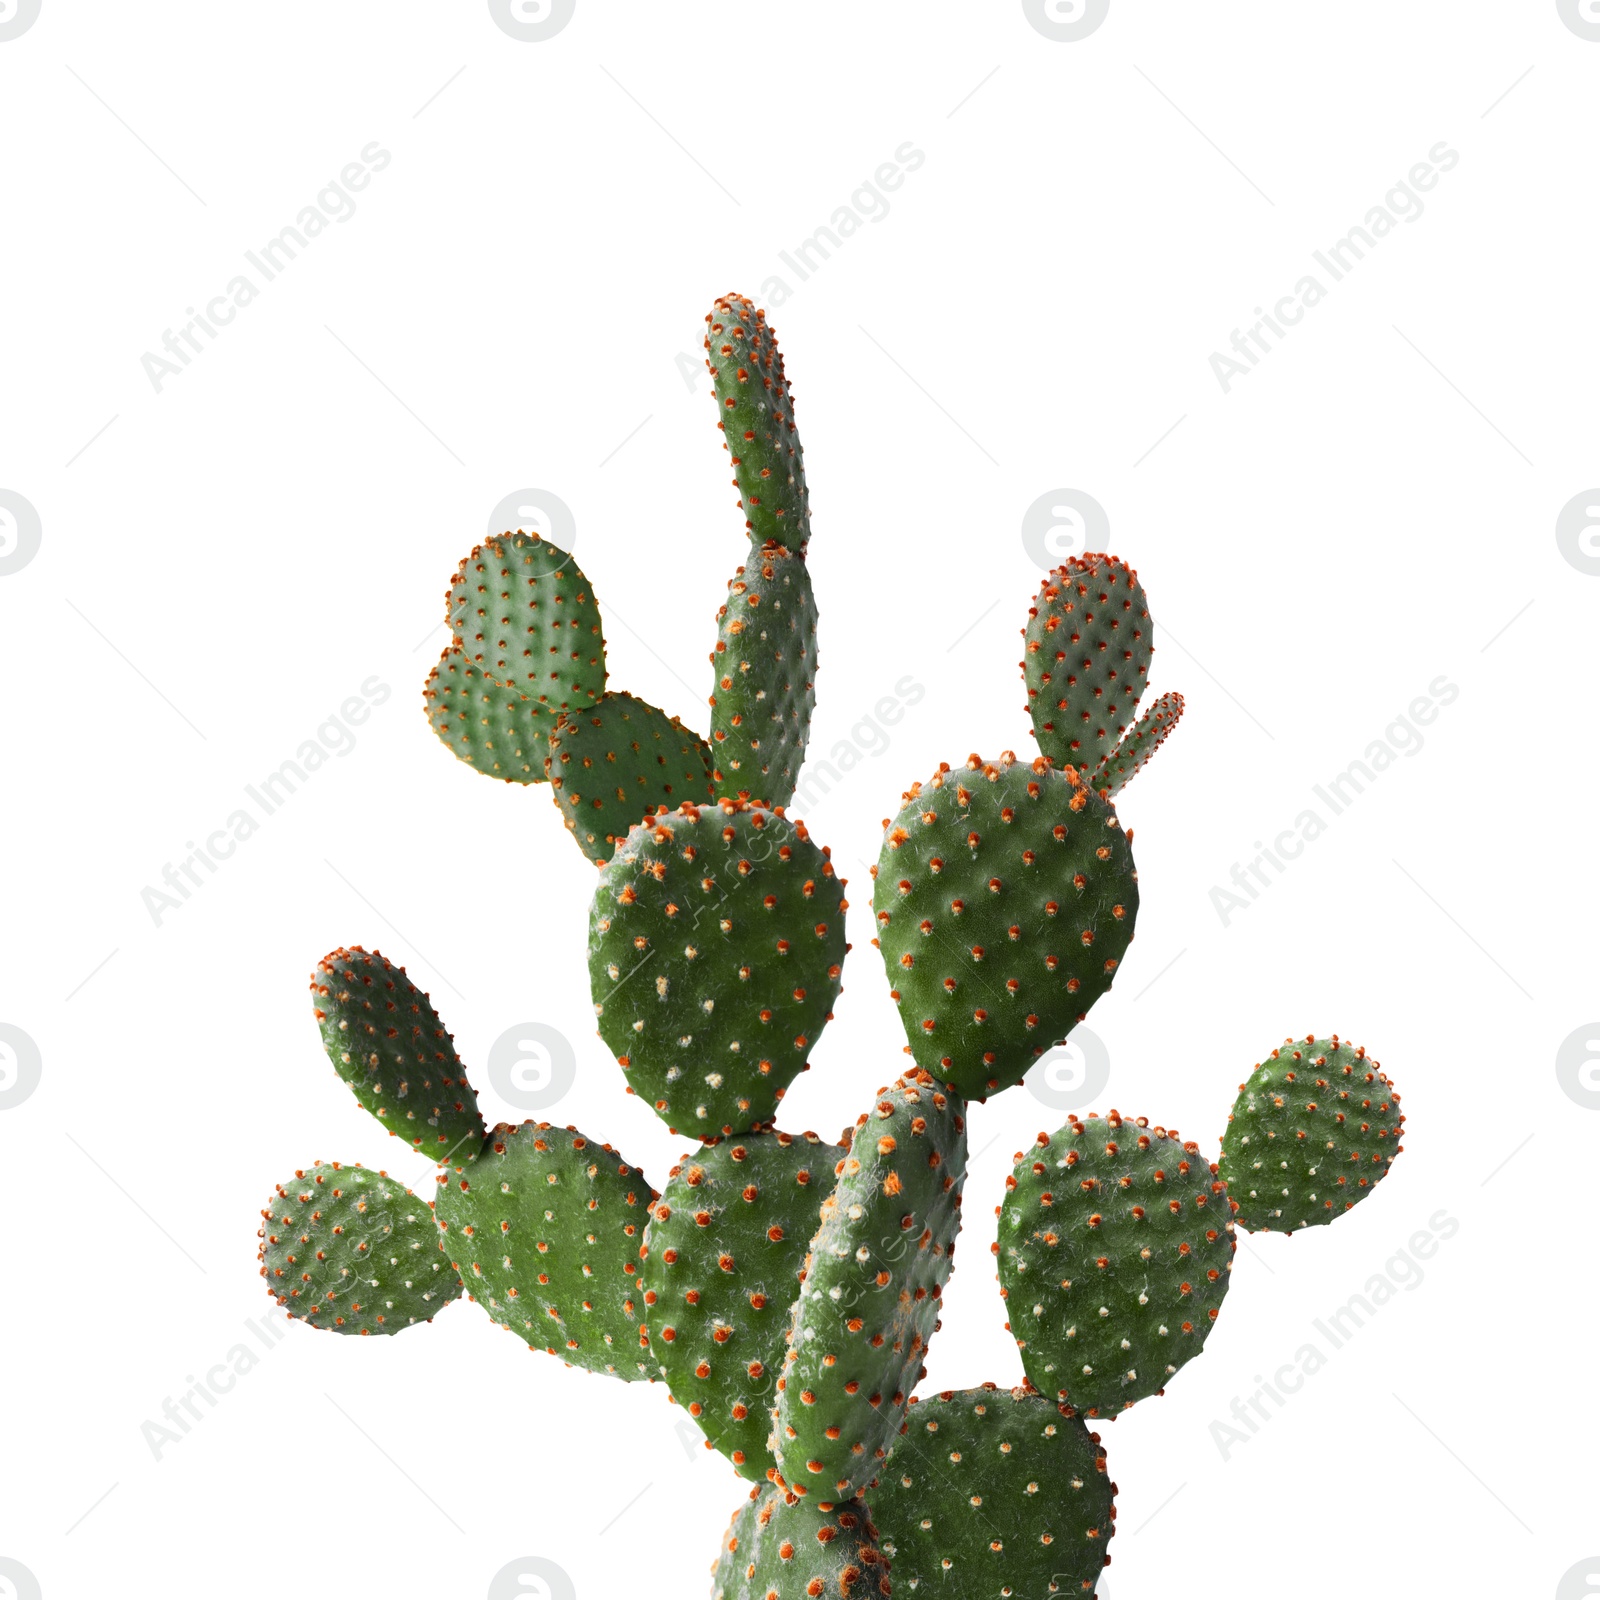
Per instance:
{"type": "Point", "coordinates": [995, 1492]}
{"type": "Point", "coordinates": [870, 1301]}
{"type": "Point", "coordinates": [781, 1545]}
{"type": "Point", "coordinates": [1115, 1251]}
{"type": "Point", "coordinates": [756, 416]}
{"type": "Point", "coordinates": [765, 691]}
{"type": "Point", "coordinates": [354, 1251]}
{"type": "Point", "coordinates": [386, 1041]}
{"type": "Point", "coordinates": [1136, 746]}
{"type": "Point", "coordinates": [619, 760]}
{"type": "Point", "coordinates": [501, 732]}
{"type": "Point", "coordinates": [1005, 897]}
{"type": "Point", "coordinates": [722, 1265]}
{"type": "Point", "coordinates": [545, 1232]}
{"type": "Point", "coordinates": [1315, 1129]}
{"type": "Point", "coordinates": [525, 615]}
{"type": "Point", "coordinates": [716, 943]}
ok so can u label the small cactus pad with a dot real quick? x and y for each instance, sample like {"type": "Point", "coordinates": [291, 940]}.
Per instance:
{"type": "Point", "coordinates": [1138, 744]}
{"type": "Point", "coordinates": [1313, 1131]}
{"type": "Point", "coordinates": [499, 731]}
{"type": "Point", "coordinates": [1088, 656]}
{"type": "Point", "coordinates": [871, 1297]}
{"type": "Point", "coordinates": [716, 941]}
{"type": "Point", "coordinates": [1005, 896]}
{"type": "Point", "coordinates": [755, 410]}
{"type": "Point", "coordinates": [386, 1041]}
{"type": "Point", "coordinates": [524, 613]}
{"type": "Point", "coordinates": [766, 662]}
{"type": "Point", "coordinates": [545, 1232]}
{"type": "Point", "coordinates": [780, 1546]}
{"type": "Point", "coordinates": [354, 1251]}
{"type": "Point", "coordinates": [989, 1492]}
{"type": "Point", "coordinates": [620, 760]}
{"type": "Point", "coordinates": [723, 1256]}
{"type": "Point", "coordinates": [1115, 1251]}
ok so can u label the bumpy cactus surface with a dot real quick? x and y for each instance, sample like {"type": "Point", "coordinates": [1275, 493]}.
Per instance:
{"type": "Point", "coordinates": [1315, 1128]}
{"type": "Point", "coordinates": [784, 1291]}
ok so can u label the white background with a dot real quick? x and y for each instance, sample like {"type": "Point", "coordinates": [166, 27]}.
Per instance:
{"type": "Point", "coordinates": [1372, 507]}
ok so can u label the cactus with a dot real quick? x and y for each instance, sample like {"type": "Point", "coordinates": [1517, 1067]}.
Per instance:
{"type": "Point", "coordinates": [1115, 1251]}
{"type": "Point", "coordinates": [354, 1251]}
{"type": "Point", "coordinates": [784, 1289]}
{"type": "Point", "coordinates": [545, 1230]}
{"type": "Point", "coordinates": [716, 941]}
{"type": "Point", "coordinates": [1089, 642]}
{"type": "Point", "coordinates": [617, 761]}
{"type": "Point", "coordinates": [781, 1544]}
{"type": "Point", "coordinates": [723, 1259]}
{"type": "Point", "coordinates": [1005, 898]}
{"type": "Point", "coordinates": [1315, 1128]}
{"type": "Point", "coordinates": [990, 1492]}
{"type": "Point", "coordinates": [870, 1301]}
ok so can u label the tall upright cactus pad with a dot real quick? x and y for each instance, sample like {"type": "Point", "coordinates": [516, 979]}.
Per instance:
{"type": "Point", "coordinates": [353, 1251]}
{"type": "Point", "coordinates": [1005, 897]}
{"type": "Point", "coordinates": [723, 1256]}
{"type": "Point", "coordinates": [1138, 744]}
{"type": "Point", "coordinates": [780, 1545]}
{"type": "Point", "coordinates": [545, 1232]}
{"type": "Point", "coordinates": [617, 761]}
{"type": "Point", "coordinates": [1087, 661]}
{"type": "Point", "coordinates": [765, 691]}
{"type": "Point", "coordinates": [1115, 1251]}
{"type": "Point", "coordinates": [386, 1041]}
{"type": "Point", "coordinates": [995, 1492]}
{"type": "Point", "coordinates": [716, 943]}
{"type": "Point", "coordinates": [522, 610]}
{"type": "Point", "coordinates": [1315, 1129]}
{"type": "Point", "coordinates": [871, 1297]}
{"type": "Point", "coordinates": [755, 410]}
{"type": "Point", "coordinates": [501, 732]}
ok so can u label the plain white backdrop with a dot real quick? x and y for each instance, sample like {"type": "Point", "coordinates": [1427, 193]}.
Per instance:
{"type": "Point", "coordinates": [513, 299]}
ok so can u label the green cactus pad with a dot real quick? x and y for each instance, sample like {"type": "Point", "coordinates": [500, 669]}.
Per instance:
{"type": "Point", "coordinates": [522, 610]}
{"type": "Point", "coordinates": [1115, 1251]}
{"type": "Point", "coordinates": [1314, 1130]}
{"type": "Point", "coordinates": [755, 410]}
{"type": "Point", "coordinates": [766, 662]}
{"type": "Point", "coordinates": [353, 1251]}
{"type": "Point", "coordinates": [1089, 642]}
{"type": "Point", "coordinates": [723, 1256]}
{"type": "Point", "coordinates": [716, 941]}
{"type": "Point", "coordinates": [618, 761]}
{"type": "Point", "coordinates": [1138, 744]}
{"type": "Point", "coordinates": [545, 1232]}
{"type": "Point", "coordinates": [781, 1546]}
{"type": "Point", "coordinates": [386, 1041]}
{"type": "Point", "coordinates": [989, 1492]}
{"type": "Point", "coordinates": [499, 731]}
{"type": "Point", "coordinates": [871, 1298]}
{"type": "Point", "coordinates": [1005, 897]}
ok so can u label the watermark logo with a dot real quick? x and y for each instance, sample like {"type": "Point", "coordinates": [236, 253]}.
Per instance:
{"type": "Point", "coordinates": [1073, 1075]}
{"type": "Point", "coordinates": [20, 530]}
{"type": "Point", "coordinates": [16, 17]}
{"type": "Point", "coordinates": [531, 22]}
{"type": "Point", "coordinates": [532, 1066]}
{"type": "Point", "coordinates": [1066, 21]}
{"type": "Point", "coordinates": [868, 737]}
{"type": "Point", "coordinates": [1062, 523]}
{"type": "Point", "coordinates": [535, 511]}
{"type": "Point", "coordinates": [1578, 531]}
{"type": "Point", "coordinates": [16, 1582]}
{"type": "Point", "coordinates": [1583, 17]}
{"type": "Point", "coordinates": [180, 1416]}
{"type": "Point", "coordinates": [1581, 1582]}
{"type": "Point", "coordinates": [21, 1067]}
{"type": "Point", "coordinates": [531, 1578]}
{"type": "Point", "coordinates": [1578, 1066]}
